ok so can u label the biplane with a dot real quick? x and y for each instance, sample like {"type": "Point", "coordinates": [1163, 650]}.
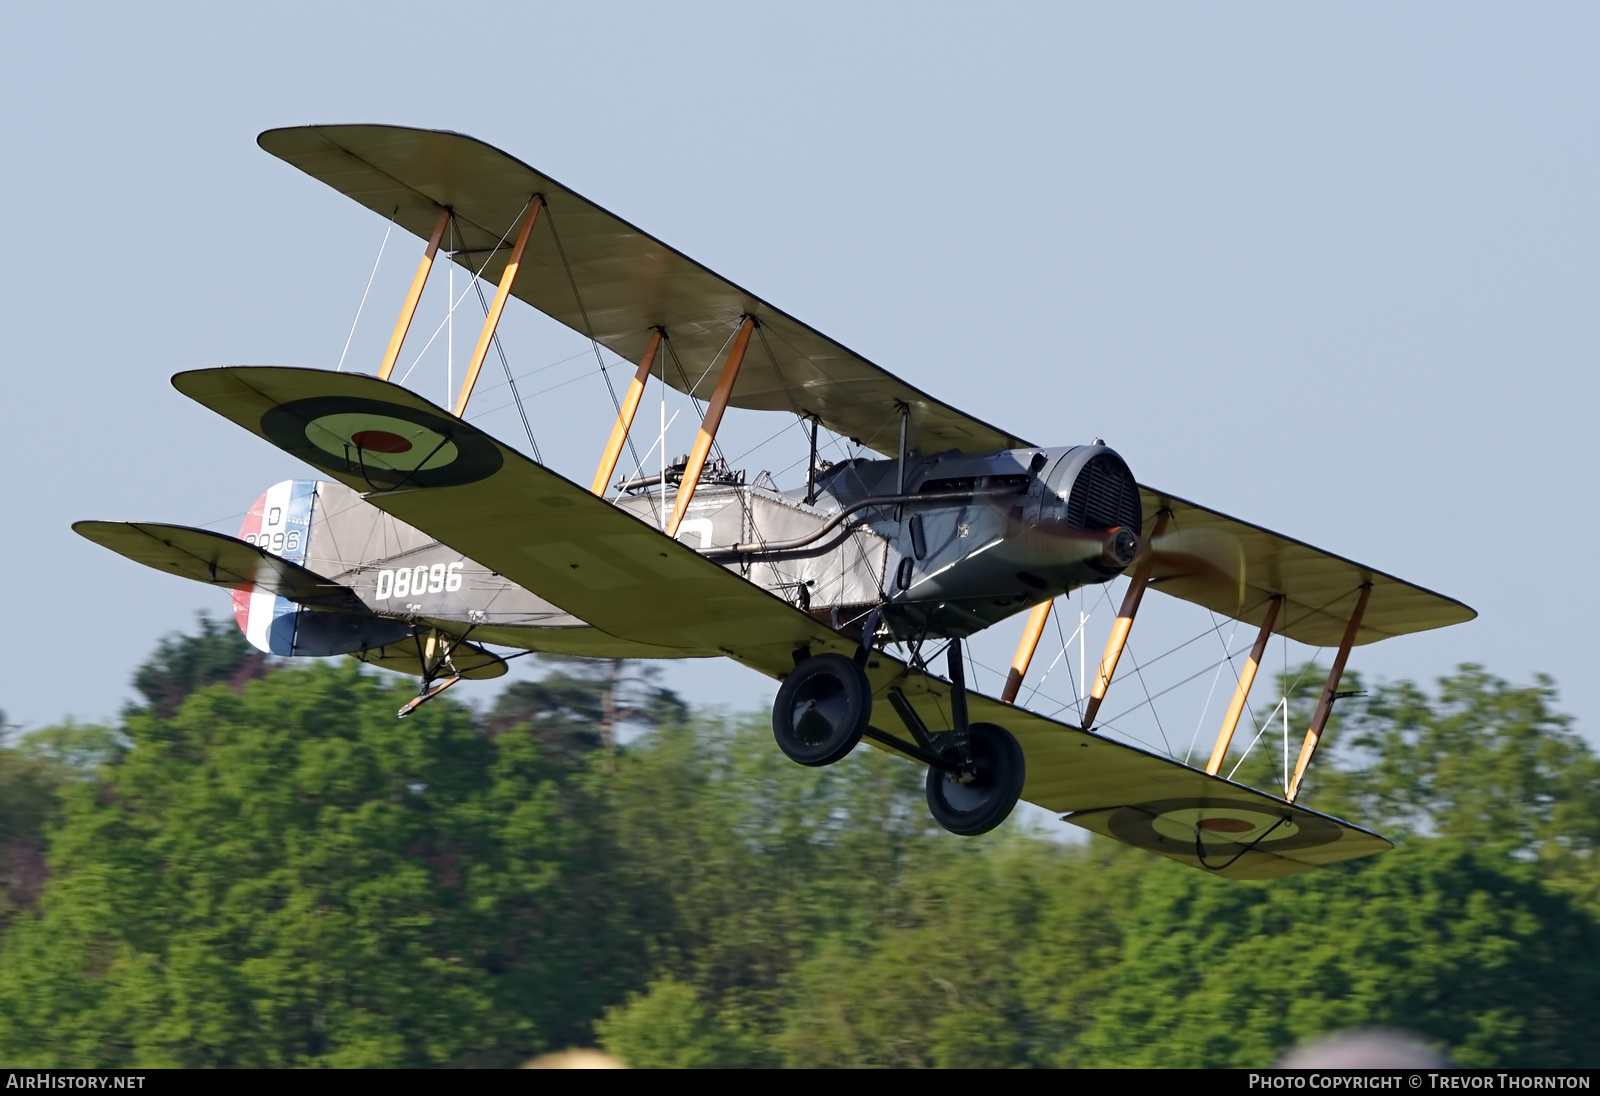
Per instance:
{"type": "Point", "coordinates": [428, 542]}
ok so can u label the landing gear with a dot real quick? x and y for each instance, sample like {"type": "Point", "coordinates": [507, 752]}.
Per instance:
{"type": "Point", "coordinates": [435, 657]}
{"type": "Point", "coordinates": [976, 796]}
{"type": "Point", "coordinates": [981, 780]}
{"type": "Point", "coordinates": [975, 772]}
{"type": "Point", "coordinates": [429, 691]}
{"type": "Point", "coordinates": [822, 710]}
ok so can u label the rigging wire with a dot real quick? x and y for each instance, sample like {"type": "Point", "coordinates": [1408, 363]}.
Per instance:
{"type": "Point", "coordinates": [781, 431]}
{"type": "Point", "coordinates": [515, 398]}
{"type": "Point", "coordinates": [588, 328]}
{"type": "Point", "coordinates": [1283, 703]}
{"type": "Point", "coordinates": [502, 406]}
{"type": "Point", "coordinates": [1150, 700]}
{"type": "Point", "coordinates": [638, 467]}
{"type": "Point", "coordinates": [476, 275]}
{"type": "Point", "coordinates": [1195, 737]}
{"type": "Point", "coordinates": [366, 291]}
{"type": "Point", "coordinates": [688, 389]}
{"type": "Point", "coordinates": [1060, 655]}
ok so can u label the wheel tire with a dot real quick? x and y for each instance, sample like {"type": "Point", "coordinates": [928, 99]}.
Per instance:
{"type": "Point", "coordinates": [981, 805]}
{"type": "Point", "coordinates": [821, 710]}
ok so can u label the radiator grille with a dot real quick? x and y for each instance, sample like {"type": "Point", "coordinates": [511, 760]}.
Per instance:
{"type": "Point", "coordinates": [1105, 496]}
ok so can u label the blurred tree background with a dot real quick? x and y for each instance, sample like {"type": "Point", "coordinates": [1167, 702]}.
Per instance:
{"type": "Point", "coordinates": [260, 866]}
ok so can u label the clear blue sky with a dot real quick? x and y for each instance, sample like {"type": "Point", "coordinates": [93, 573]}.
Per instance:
{"type": "Point", "coordinates": [1329, 267]}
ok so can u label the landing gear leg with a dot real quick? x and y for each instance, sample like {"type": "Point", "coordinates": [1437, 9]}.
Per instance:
{"type": "Point", "coordinates": [981, 785]}
{"type": "Point", "coordinates": [435, 649]}
{"type": "Point", "coordinates": [960, 735]}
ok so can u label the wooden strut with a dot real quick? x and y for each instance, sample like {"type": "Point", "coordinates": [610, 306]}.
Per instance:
{"type": "Point", "coordinates": [1124, 622]}
{"type": "Point", "coordinates": [409, 309]}
{"type": "Point", "coordinates": [1319, 720]}
{"type": "Point", "coordinates": [630, 406]}
{"type": "Point", "coordinates": [492, 320]}
{"type": "Point", "coordinates": [1025, 649]}
{"type": "Point", "coordinates": [708, 428]}
{"type": "Point", "coordinates": [1241, 692]}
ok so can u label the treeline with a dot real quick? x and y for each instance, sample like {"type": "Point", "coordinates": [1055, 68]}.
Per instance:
{"type": "Point", "coordinates": [261, 866]}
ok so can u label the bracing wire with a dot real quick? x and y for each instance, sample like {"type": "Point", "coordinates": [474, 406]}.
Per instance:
{"type": "Point", "coordinates": [639, 465]}
{"type": "Point", "coordinates": [476, 275]}
{"type": "Point", "coordinates": [1228, 661]}
{"type": "Point", "coordinates": [588, 328]}
{"type": "Point", "coordinates": [1284, 704]}
{"type": "Point", "coordinates": [504, 364]}
{"type": "Point", "coordinates": [1138, 672]}
{"type": "Point", "coordinates": [1066, 642]}
{"type": "Point", "coordinates": [688, 389]}
{"type": "Point", "coordinates": [364, 293]}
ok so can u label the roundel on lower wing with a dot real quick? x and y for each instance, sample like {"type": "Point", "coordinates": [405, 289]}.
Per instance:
{"type": "Point", "coordinates": [387, 444]}
{"type": "Point", "coordinates": [1219, 827]}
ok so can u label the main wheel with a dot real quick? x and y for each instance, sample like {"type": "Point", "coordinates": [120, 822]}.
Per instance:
{"type": "Point", "coordinates": [977, 801]}
{"type": "Point", "coordinates": [821, 710]}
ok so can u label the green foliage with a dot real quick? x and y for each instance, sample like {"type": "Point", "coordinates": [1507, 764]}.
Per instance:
{"type": "Point", "coordinates": [29, 805]}
{"type": "Point", "coordinates": [183, 663]}
{"type": "Point", "coordinates": [263, 867]}
{"type": "Point", "coordinates": [668, 1027]}
{"type": "Point", "coordinates": [75, 750]}
{"type": "Point", "coordinates": [1436, 937]}
{"type": "Point", "coordinates": [993, 956]}
{"type": "Point", "coordinates": [1484, 759]}
{"type": "Point", "coordinates": [289, 875]}
{"type": "Point", "coordinates": [579, 704]}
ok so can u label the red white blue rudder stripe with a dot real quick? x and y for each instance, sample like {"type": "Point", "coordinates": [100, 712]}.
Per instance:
{"type": "Point", "coordinates": [279, 522]}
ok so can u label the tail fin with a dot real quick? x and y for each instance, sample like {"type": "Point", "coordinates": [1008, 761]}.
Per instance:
{"type": "Point", "coordinates": [280, 522]}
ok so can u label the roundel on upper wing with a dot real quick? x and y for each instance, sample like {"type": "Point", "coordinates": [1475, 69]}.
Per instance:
{"type": "Point", "coordinates": [387, 444]}
{"type": "Point", "coordinates": [1210, 826]}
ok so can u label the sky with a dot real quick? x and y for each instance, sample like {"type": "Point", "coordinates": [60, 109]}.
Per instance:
{"type": "Point", "coordinates": [1327, 267]}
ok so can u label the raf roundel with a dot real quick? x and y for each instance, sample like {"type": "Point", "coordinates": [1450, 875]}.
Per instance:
{"type": "Point", "coordinates": [1214, 827]}
{"type": "Point", "coordinates": [388, 445]}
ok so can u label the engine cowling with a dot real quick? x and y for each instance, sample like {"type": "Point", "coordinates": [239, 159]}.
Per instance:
{"type": "Point", "coordinates": [1090, 491]}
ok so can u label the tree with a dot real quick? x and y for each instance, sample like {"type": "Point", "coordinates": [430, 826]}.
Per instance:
{"type": "Point", "coordinates": [288, 875]}
{"type": "Point", "coordinates": [184, 663]}
{"type": "Point", "coordinates": [1483, 759]}
{"type": "Point", "coordinates": [29, 804]}
{"type": "Point", "coordinates": [579, 704]}
{"type": "Point", "coordinates": [1440, 938]}
{"type": "Point", "coordinates": [668, 1027]}
{"type": "Point", "coordinates": [995, 954]}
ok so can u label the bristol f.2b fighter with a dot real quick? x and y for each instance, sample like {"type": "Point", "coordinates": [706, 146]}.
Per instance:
{"type": "Point", "coordinates": [431, 542]}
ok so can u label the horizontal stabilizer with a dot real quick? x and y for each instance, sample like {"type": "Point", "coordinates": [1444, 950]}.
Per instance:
{"type": "Point", "coordinates": [217, 560]}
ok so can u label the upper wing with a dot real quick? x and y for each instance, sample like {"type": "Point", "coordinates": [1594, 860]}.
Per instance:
{"type": "Point", "coordinates": [1234, 568]}
{"type": "Point", "coordinates": [217, 560]}
{"type": "Point", "coordinates": [629, 281]}
{"type": "Point", "coordinates": [627, 579]}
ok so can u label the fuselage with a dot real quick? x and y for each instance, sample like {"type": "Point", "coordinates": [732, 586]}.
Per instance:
{"type": "Point", "coordinates": [944, 545]}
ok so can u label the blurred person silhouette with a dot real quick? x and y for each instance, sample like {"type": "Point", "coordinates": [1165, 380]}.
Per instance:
{"type": "Point", "coordinates": [1372, 1048]}
{"type": "Point", "coordinates": [575, 1058]}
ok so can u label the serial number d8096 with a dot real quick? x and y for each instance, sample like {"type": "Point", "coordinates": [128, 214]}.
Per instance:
{"type": "Point", "coordinates": [411, 581]}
